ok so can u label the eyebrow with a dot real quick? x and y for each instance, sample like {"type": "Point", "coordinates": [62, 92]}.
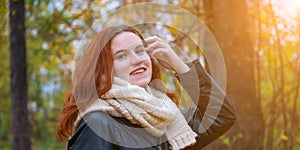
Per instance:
{"type": "Point", "coordinates": [122, 50]}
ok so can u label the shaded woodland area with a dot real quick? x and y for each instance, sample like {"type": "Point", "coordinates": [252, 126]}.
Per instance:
{"type": "Point", "coordinates": [259, 40]}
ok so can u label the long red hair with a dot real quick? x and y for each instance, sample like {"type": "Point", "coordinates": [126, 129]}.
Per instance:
{"type": "Point", "coordinates": [99, 49]}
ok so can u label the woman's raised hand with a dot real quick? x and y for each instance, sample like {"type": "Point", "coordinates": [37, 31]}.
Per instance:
{"type": "Point", "coordinates": [165, 55]}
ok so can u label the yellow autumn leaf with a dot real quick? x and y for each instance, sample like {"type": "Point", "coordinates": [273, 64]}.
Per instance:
{"type": "Point", "coordinates": [51, 31]}
{"type": "Point", "coordinates": [284, 137]}
{"type": "Point", "coordinates": [55, 47]}
{"type": "Point", "coordinates": [298, 140]}
{"type": "Point", "coordinates": [88, 12]}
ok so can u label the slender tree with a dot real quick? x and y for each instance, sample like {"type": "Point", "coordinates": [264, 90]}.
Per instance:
{"type": "Point", "coordinates": [18, 77]}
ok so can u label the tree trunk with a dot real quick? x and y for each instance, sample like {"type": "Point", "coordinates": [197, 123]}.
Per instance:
{"type": "Point", "coordinates": [18, 81]}
{"type": "Point", "coordinates": [227, 19]}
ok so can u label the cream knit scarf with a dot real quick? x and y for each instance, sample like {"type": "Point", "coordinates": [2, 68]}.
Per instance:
{"type": "Point", "coordinates": [147, 107]}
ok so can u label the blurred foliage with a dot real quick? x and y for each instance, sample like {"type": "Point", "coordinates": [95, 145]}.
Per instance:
{"type": "Point", "coordinates": [54, 31]}
{"type": "Point", "coordinates": [275, 36]}
{"type": "Point", "coordinates": [4, 76]}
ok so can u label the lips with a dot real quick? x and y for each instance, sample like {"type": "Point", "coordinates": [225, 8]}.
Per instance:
{"type": "Point", "coordinates": [138, 71]}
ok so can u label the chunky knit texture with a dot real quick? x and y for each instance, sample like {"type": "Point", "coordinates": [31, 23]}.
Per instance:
{"type": "Point", "coordinates": [147, 107]}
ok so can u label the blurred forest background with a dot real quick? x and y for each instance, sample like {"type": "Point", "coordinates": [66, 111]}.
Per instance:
{"type": "Point", "coordinates": [259, 40]}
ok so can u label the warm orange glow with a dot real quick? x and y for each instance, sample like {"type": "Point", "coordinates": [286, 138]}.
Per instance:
{"type": "Point", "coordinates": [290, 6]}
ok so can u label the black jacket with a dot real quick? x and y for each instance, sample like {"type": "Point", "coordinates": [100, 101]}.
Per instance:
{"type": "Point", "coordinates": [100, 131]}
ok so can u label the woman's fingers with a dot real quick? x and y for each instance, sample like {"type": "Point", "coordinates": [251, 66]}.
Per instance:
{"type": "Point", "coordinates": [158, 48]}
{"type": "Point", "coordinates": [155, 43]}
{"type": "Point", "coordinates": [157, 53]}
{"type": "Point", "coordinates": [164, 54]}
{"type": "Point", "coordinates": [152, 39]}
{"type": "Point", "coordinates": [152, 46]}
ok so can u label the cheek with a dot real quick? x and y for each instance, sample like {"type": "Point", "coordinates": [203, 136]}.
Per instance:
{"type": "Point", "coordinates": [147, 60]}
{"type": "Point", "coordinates": [120, 70]}
{"type": "Point", "coordinates": [149, 64]}
{"type": "Point", "coordinates": [117, 69]}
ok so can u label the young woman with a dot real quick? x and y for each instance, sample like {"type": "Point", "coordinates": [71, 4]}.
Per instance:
{"type": "Point", "coordinates": [132, 109]}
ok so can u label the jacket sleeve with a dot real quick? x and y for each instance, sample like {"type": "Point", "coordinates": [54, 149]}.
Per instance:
{"type": "Point", "coordinates": [214, 114]}
{"type": "Point", "coordinates": [85, 136]}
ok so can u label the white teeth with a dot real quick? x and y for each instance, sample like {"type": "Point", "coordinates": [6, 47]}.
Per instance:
{"type": "Point", "coordinates": [138, 71]}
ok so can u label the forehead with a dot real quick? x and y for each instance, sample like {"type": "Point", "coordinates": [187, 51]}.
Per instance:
{"type": "Point", "coordinates": [124, 40]}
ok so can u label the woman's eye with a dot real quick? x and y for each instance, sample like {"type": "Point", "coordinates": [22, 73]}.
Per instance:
{"type": "Point", "coordinates": [121, 56]}
{"type": "Point", "coordinates": [140, 51]}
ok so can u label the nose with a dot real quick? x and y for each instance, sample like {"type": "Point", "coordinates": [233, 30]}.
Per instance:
{"type": "Point", "coordinates": [135, 59]}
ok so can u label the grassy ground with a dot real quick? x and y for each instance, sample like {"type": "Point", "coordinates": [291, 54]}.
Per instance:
{"type": "Point", "coordinates": [49, 146]}
{"type": "Point", "coordinates": [38, 145]}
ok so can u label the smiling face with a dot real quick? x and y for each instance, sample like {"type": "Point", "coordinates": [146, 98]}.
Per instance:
{"type": "Point", "coordinates": [131, 62]}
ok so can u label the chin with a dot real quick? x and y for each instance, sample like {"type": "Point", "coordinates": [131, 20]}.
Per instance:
{"type": "Point", "coordinates": [141, 83]}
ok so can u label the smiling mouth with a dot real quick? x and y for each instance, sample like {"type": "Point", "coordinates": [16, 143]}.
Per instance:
{"type": "Point", "coordinates": [138, 71]}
